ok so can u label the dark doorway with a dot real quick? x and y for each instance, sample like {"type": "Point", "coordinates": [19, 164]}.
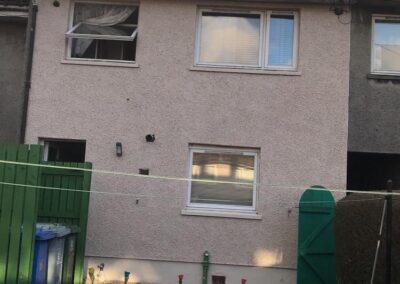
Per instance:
{"type": "Point", "coordinates": [64, 151]}
{"type": "Point", "coordinates": [371, 171]}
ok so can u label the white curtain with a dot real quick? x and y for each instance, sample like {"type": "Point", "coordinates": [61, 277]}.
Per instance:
{"type": "Point", "coordinates": [99, 19]}
{"type": "Point", "coordinates": [114, 16]}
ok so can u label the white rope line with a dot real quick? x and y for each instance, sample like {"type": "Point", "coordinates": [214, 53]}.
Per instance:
{"type": "Point", "coordinates": [372, 192]}
{"type": "Point", "coordinates": [149, 196]}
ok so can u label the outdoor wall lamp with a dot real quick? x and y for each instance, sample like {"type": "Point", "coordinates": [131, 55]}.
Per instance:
{"type": "Point", "coordinates": [118, 149]}
{"type": "Point", "coordinates": [150, 138]}
{"type": "Point", "coordinates": [56, 3]}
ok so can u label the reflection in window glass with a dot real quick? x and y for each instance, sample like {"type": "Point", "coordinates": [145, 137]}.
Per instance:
{"type": "Point", "coordinates": [281, 38]}
{"type": "Point", "coordinates": [230, 38]}
{"type": "Point", "coordinates": [387, 45]}
{"type": "Point", "coordinates": [222, 167]}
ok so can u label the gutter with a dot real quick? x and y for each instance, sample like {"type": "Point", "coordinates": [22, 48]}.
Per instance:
{"type": "Point", "coordinates": [30, 41]}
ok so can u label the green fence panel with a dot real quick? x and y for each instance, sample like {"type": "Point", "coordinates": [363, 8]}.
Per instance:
{"type": "Point", "coordinates": [29, 222]}
{"type": "Point", "coordinates": [316, 243]}
{"type": "Point", "coordinates": [22, 206]}
{"type": "Point", "coordinates": [68, 207]}
{"type": "Point", "coordinates": [18, 211]}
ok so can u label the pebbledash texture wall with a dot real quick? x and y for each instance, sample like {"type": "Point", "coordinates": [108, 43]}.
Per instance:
{"type": "Point", "coordinates": [299, 123]}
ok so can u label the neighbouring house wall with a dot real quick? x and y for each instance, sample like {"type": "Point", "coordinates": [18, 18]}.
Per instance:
{"type": "Point", "coordinates": [299, 122]}
{"type": "Point", "coordinates": [374, 120]}
{"type": "Point", "coordinates": [12, 47]}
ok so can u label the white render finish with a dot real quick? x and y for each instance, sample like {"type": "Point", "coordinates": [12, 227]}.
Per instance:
{"type": "Point", "coordinates": [299, 124]}
{"type": "Point", "coordinates": [150, 272]}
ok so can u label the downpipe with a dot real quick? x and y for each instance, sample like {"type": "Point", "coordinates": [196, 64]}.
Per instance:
{"type": "Point", "coordinates": [30, 33]}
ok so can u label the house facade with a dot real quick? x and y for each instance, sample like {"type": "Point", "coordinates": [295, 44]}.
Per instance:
{"type": "Point", "coordinates": [374, 143]}
{"type": "Point", "coordinates": [250, 96]}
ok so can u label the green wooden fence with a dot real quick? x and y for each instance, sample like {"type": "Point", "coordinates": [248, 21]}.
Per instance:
{"type": "Point", "coordinates": [18, 207]}
{"type": "Point", "coordinates": [21, 207]}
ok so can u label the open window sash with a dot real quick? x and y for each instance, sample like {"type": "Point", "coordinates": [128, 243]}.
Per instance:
{"type": "Point", "coordinates": [101, 32]}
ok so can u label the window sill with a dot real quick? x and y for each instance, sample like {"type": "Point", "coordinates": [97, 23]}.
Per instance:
{"type": "Point", "coordinates": [376, 76]}
{"type": "Point", "coordinates": [221, 214]}
{"type": "Point", "coordinates": [245, 71]}
{"type": "Point", "coordinates": [100, 63]}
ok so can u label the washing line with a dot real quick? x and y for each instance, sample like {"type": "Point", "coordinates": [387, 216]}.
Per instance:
{"type": "Point", "coordinates": [137, 196]}
{"type": "Point", "coordinates": [118, 173]}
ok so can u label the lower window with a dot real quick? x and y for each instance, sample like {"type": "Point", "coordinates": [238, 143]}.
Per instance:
{"type": "Point", "coordinates": [223, 177]}
{"type": "Point", "coordinates": [64, 150]}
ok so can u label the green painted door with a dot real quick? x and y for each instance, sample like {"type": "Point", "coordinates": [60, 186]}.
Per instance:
{"type": "Point", "coordinates": [316, 262]}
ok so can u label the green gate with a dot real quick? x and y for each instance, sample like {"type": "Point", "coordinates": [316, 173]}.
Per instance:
{"type": "Point", "coordinates": [316, 243]}
{"type": "Point", "coordinates": [67, 207]}
{"type": "Point", "coordinates": [22, 206]}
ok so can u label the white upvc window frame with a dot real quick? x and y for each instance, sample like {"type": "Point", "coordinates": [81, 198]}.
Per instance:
{"type": "Point", "coordinates": [265, 16]}
{"type": "Point", "coordinates": [224, 150]}
{"type": "Point", "coordinates": [70, 35]}
{"type": "Point", "coordinates": [374, 18]}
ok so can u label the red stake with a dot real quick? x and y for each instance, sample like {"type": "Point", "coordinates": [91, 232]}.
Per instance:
{"type": "Point", "coordinates": [244, 281]}
{"type": "Point", "coordinates": [180, 277]}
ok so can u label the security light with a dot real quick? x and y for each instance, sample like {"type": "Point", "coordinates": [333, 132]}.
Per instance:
{"type": "Point", "coordinates": [118, 149]}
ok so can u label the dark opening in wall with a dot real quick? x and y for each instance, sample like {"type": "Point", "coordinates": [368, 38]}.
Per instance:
{"type": "Point", "coordinates": [218, 279]}
{"type": "Point", "coordinates": [371, 171]}
{"type": "Point", "coordinates": [64, 151]}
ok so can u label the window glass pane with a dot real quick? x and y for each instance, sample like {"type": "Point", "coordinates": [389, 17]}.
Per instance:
{"type": "Point", "coordinates": [222, 167]}
{"type": "Point", "coordinates": [65, 151]}
{"type": "Point", "coordinates": [281, 39]}
{"type": "Point", "coordinates": [230, 38]}
{"type": "Point", "coordinates": [387, 45]}
{"type": "Point", "coordinates": [103, 49]}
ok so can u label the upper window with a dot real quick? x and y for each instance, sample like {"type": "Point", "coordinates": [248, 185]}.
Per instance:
{"type": "Point", "coordinates": [229, 178]}
{"type": "Point", "coordinates": [103, 32]}
{"type": "Point", "coordinates": [386, 45]}
{"type": "Point", "coordinates": [260, 39]}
